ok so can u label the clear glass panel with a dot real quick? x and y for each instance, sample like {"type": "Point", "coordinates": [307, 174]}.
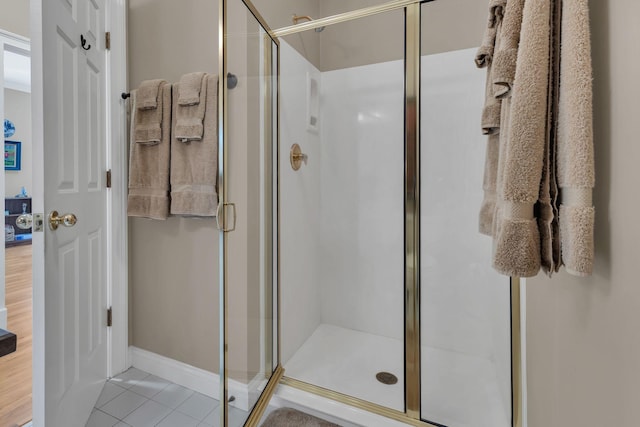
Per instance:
{"type": "Point", "coordinates": [251, 353]}
{"type": "Point", "coordinates": [465, 305]}
{"type": "Point", "coordinates": [342, 254]}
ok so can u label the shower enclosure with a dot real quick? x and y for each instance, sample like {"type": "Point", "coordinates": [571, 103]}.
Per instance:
{"type": "Point", "coordinates": [355, 208]}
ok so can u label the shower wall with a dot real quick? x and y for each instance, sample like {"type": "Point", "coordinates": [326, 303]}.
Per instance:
{"type": "Point", "coordinates": [300, 214]}
{"type": "Point", "coordinates": [362, 216]}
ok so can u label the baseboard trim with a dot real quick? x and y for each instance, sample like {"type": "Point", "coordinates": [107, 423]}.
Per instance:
{"type": "Point", "coordinates": [200, 380]}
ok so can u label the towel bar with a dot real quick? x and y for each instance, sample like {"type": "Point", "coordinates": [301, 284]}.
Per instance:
{"type": "Point", "coordinates": [232, 82]}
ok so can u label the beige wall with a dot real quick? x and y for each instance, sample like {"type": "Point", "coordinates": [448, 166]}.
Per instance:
{"type": "Point", "coordinates": [173, 264]}
{"type": "Point", "coordinates": [583, 341]}
{"type": "Point", "coordinates": [14, 16]}
{"type": "Point", "coordinates": [17, 108]}
{"type": "Point", "coordinates": [446, 26]}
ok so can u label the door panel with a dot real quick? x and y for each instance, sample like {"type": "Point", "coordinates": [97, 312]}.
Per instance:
{"type": "Point", "coordinates": [249, 259]}
{"type": "Point", "coordinates": [74, 146]}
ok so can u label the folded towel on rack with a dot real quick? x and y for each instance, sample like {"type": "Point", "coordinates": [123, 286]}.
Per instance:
{"type": "Point", "coordinates": [148, 94]}
{"type": "Point", "coordinates": [149, 111]}
{"type": "Point", "coordinates": [576, 171]}
{"type": "Point", "coordinates": [191, 86]}
{"type": "Point", "coordinates": [149, 166]}
{"type": "Point", "coordinates": [190, 110]}
{"type": "Point", "coordinates": [194, 165]}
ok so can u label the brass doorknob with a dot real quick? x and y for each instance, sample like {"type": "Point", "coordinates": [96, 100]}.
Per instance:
{"type": "Point", "coordinates": [68, 220]}
{"type": "Point", "coordinates": [24, 221]}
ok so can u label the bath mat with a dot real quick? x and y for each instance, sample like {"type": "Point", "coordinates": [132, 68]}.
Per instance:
{"type": "Point", "coordinates": [287, 417]}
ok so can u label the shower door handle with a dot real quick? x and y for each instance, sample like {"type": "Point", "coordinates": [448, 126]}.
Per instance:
{"type": "Point", "coordinates": [223, 227]}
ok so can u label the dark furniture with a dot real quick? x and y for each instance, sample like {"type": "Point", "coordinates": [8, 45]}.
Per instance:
{"type": "Point", "coordinates": [8, 342]}
{"type": "Point", "coordinates": [15, 206]}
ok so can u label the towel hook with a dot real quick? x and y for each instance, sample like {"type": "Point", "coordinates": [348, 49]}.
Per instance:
{"type": "Point", "coordinates": [83, 43]}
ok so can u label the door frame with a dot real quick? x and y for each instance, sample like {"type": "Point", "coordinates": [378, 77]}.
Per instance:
{"type": "Point", "coordinates": [18, 44]}
{"type": "Point", "coordinates": [116, 161]}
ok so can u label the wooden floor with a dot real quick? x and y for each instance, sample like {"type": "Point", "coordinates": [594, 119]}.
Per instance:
{"type": "Point", "coordinates": [15, 369]}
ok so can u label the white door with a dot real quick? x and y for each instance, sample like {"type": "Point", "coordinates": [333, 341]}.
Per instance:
{"type": "Point", "coordinates": [74, 150]}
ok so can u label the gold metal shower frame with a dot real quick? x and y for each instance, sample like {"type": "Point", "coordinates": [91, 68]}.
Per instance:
{"type": "Point", "coordinates": [412, 414]}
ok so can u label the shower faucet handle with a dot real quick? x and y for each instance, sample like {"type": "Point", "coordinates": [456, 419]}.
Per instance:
{"type": "Point", "coordinates": [296, 157]}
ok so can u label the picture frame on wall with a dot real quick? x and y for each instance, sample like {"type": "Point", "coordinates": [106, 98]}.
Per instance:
{"type": "Point", "coordinates": [12, 155]}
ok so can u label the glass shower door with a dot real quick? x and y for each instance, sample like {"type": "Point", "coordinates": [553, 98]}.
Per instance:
{"type": "Point", "coordinates": [465, 306]}
{"type": "Point", "coordinates": [248, 226]}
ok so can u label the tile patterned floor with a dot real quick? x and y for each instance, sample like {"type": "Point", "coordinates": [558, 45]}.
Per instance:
{"type": "Point", "coordinates": [138, 399]}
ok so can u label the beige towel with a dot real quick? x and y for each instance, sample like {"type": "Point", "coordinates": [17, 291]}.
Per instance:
{"type": "Point", "coordinates": [490, 121]}
{"type": "Point", "coordinates": [191, 107]}
{"type": "Point", "coordinates": [504, 63]}
{"type": "Point", "coordinates": [517, 242]}
{"type": "Point", "coordinates": [148, 94]}
{"type": "Point", "coordinates": [149, 168]}
{"type": "Point", "coordinates": [576, 171]}
{"type": "Point", "coordinates": [546, 208]}
{"type": "Point", "coordinates": [148, 115]}
{"type": "Point", "coordinates": [496, 11]}
{"type": "Point", "coordinates": [194, 164]}
{"type": "Point", "coordinates": [488, 207]}
{"type": "Point", "coordinates": [191, 86]}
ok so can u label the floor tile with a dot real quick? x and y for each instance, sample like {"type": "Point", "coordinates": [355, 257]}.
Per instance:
{"type": "Point", "coordinates": [124, 404]}
{"type": "Point", "coordinates": [213, 416]}
{"type": "Point", "coordinates": [121, 424]}
{"type": "Point", "coordinates": [178, 419]}
{"type": "Point", "coordinates": [149, 386]}
{"type": "Point", "coordinates": [129, 378]}
{"type": "Point", "coordinates": [197, 406]}
{"type": "Point", "coordinates": [100, 419]}
{"type": "Point", "coordinates": [109, 391]}
{"type": "Point", "coordinates": [147, 415]}
{"type": "Point", "coordinates": [237, 417]}
{"type": "Point", "coordinates": [173, 395]}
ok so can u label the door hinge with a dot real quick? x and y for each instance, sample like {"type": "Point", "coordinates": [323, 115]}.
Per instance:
{"type": "Point", "coordinates": [109, 178]}
{"type": "Point", "coordinates": [110, 317]}
{"type": "Point", "coordinates": [107, 40]}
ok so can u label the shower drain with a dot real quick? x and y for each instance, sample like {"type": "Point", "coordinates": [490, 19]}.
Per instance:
{"type": "Point", "coordinates": [386, 378]}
